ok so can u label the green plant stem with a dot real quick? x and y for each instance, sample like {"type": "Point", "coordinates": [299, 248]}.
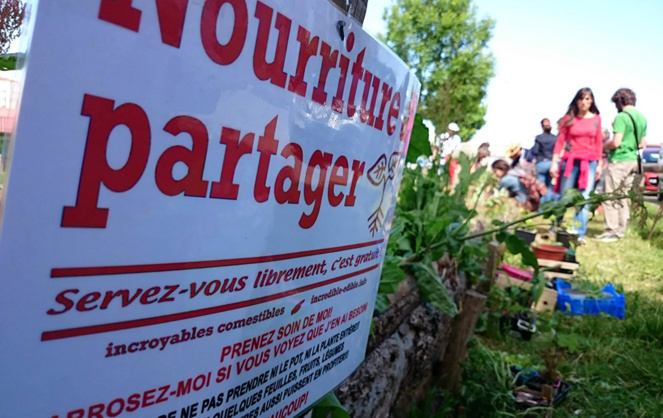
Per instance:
{"type": "Point", "coordinates": [548, 212]}
{"type": "Point", "coordinates": [477, 235]}
{"type": "Point", "coordinates": [507, 225]}
{"type": "Point", "coordinates": [595, 199]}
{"type": "Point", "coordinates": [474, 208]}
{"type": "Point", "coordinates": [438, 244]}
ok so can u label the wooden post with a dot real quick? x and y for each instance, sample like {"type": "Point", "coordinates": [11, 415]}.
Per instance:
{"type": "Point", "coordinates": [461, 331]}
{"type": "Point", "coordinates": [491, 267]}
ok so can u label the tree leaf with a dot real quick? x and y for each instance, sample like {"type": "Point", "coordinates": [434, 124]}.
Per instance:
{"type": "Point", "coordinates": [329, 403]}
{"type": "Point", "coordinates": [528, 258]}
{"type": "Point", "coordinates": [501, 236]}
{"type": "Point", "coordinates": [515, 245]}
{"type": "Point", "coordinates": [392, 275]}
{"type": "Point", "coordinates": [419, 144]}
{"type": "Point", "coordinates": [446, 45]}
{"type": "Point", "coordinates": [568, 341]}
{"type": "Point", "coordinates": [381, 303]}
{"type": "Point", "coordinates": [433, 290]}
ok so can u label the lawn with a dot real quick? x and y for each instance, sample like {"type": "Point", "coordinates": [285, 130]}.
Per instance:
{"type": "Point", "coordinates": [615, 367]}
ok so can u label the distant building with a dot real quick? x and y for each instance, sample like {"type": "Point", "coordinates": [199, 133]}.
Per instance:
{"type": "Point", "coordinates": [9, 94]}
{"type": "Point", "coordinates": [9, 97]}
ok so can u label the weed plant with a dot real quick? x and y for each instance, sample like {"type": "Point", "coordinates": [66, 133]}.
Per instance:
{"type": "Point", "coordinates": [614, 366]}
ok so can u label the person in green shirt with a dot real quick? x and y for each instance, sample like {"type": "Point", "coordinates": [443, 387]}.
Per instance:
{"type": "Point", "coordinates": [623, 151]}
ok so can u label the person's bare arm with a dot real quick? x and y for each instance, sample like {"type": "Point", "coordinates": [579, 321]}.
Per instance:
{"type": "Point", "coordinates": [615, 142]}
{"type": "Point", "coordinates": [554, 166]}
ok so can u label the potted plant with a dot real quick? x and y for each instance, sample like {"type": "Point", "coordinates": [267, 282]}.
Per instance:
{"type": "Point", "coordinates": [568, 239]}
{"type": "Point", "coordinates": [526, 231]}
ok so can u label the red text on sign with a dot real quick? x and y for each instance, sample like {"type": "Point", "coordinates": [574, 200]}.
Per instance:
{"type": "Point", "coordinates": [352, 75]}
{"type": "Point", "coordinates": [335, 174]}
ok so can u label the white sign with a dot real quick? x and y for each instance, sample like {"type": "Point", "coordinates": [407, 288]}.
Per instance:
{"type": "Point", "coordinates": [197, 207]}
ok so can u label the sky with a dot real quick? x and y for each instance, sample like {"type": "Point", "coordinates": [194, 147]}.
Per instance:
{"type": "Point", "coordinates": [546, 50]}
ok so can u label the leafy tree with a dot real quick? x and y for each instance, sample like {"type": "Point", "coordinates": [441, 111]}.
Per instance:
{"type": "Point", "coordinates": [445, 43]}
{"type": "Point", "coordinates": [11, 18]}
{"type": "Point", "coordinates": [8, 62]}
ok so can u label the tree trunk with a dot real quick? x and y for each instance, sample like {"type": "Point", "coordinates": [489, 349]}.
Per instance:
{"type": "Point", "coordinates": [491, 268]}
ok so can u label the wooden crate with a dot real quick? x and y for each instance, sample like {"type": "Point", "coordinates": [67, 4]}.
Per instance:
{"type": "Point", "coordinates": [560, 264]}
{"type": "Point", "coordinates": [547, 301]}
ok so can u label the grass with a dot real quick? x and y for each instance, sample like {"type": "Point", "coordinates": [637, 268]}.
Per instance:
{"type": "Point", "coordinates": [615, 366]}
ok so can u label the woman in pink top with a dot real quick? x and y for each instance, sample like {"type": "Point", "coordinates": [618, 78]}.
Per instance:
{"type": "Point", "coordinates": [580, 144]}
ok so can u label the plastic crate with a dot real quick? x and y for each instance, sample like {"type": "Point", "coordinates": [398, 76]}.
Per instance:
{"type": "Point", "coordinates": [578, 304]}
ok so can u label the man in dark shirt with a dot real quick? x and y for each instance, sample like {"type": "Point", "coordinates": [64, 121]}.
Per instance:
{"type": "Point", "coordinates": [542, 152]}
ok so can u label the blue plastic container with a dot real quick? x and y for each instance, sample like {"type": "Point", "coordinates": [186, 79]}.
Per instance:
{"type": "Point", "coordinates": [567, 302]}
{"type": "Point", "coordinates": [577, 304]}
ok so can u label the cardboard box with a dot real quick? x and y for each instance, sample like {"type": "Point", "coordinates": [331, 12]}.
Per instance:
{"type": "Point", "coordinates": [546, 302]}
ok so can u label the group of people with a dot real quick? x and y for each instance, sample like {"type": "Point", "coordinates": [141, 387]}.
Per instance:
{"type": "Point", "coordinates": [447, 147]}
{"type": "Point", "coordinates": [574, 159]}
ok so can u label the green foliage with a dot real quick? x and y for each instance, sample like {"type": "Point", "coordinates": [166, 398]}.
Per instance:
{"type": "Point", "coordinates": [515, 245]}
{"type": "Point", "coordinates": [486, 389]}
{"type": "Point", "coordinates": [430, 407]}
{"type": "Point", "coordinates": [433, 290]}
{"type": "Point", "coordinates": [527, 225]}
{"type": "Point", "coordinates": [597, 355]}
{"type": "Point", "coordinates": [487, 383]}
{"type": "Point", "coordinates": [445, 43]}
{"type": "Point", "coordinates": [568, 341]}
{"type": "Point", "coordinates": [430, 220]}
{"type": "Point", "coordinates": [392, 275]}
{"type": "Point", "coordinates": [610, 363]}
{"type": "Point", "coordinates": [329, 403]}
{"type": "Point", "coordinates": [419, 144]}
{"type": "Point", "coordinates": [8, 62]}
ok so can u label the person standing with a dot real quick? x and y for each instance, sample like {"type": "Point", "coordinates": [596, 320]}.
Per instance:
{"type": "Point", "coordinates": [581, 139]}
{"type": "Point", "coordinates": [542, 152]}
{"type": "Point", "coordinates": [444, 147]}
{"type": "Point", "coordinates": [446, 143]}
{"type": "Point", "coordinates": [629, 135]}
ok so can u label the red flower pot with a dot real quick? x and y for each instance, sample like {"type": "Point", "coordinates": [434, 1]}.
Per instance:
{"type": "Point", "coordinates": [549, 252]}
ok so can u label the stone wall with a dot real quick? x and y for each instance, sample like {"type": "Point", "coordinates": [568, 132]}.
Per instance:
{"type": "Point", "coordinates": [403, 358]}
